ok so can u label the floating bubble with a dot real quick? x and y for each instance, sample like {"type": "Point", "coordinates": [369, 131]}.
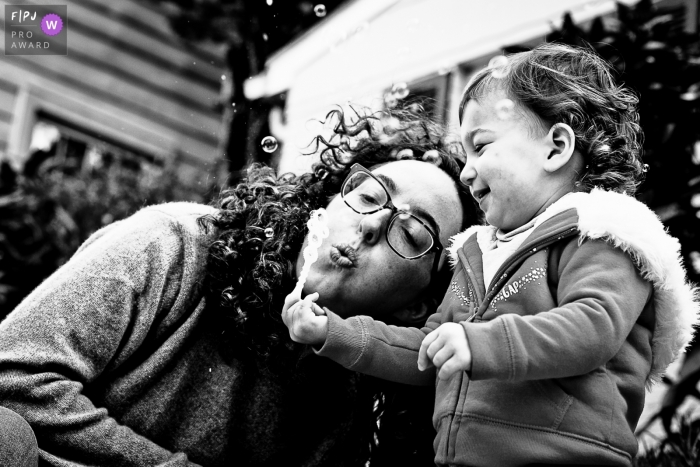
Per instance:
{"type": "Point", "coordinates": [645, 168]}
{"type": "Point", "coordinates": [269, 2]}
{"type": "Point", "coordinates": [400, 90]}
{"type": "Point", "coordinates": [264, 36]}
{"type": "Point", "coordinates": [269, 232]}
{"type": "Point", "coordinates": [269, 144]}
{"type": "Point", "coordinates": [320, 10]}
{"type": "Point", "coordinates": [690, 95]}
{"type": "Point", "coordinates": [310, 254]}
{"type": "Point", "coordinates": [390, 100]}
{"type": "Point", "coordinates": [499, 66]}
{"type": "Point", "coordinates": [504, 109]}
{"type": "Point", "coordinates": [695, 201]}
{"type": "Point", "coordinates": [315, 240]}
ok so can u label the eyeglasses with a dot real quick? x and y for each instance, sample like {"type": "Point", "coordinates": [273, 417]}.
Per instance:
{"type": "Point", "coordinates": [408, 236]}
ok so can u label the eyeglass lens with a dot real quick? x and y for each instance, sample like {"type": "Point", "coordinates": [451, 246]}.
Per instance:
{"type": "Point", "coordinates": [405, 234]}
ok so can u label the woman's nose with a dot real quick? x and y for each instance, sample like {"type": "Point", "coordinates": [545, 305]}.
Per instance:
{"type": "Point", "coordinates": [468, 173]}
{"type": "Point", "coordinates": [372, 226]}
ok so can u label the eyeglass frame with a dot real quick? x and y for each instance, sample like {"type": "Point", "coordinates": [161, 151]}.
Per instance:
{"type": "Point", "coordinates": [437, 245]}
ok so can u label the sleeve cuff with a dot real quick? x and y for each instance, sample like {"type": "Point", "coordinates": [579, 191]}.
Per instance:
{"type": "Point", "coordinates": [491, 350]}
{"type": "Point", "coordinates": [346, 340]}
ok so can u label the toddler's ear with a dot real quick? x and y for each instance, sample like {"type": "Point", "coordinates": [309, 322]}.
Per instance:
{"type": "Point", "coordinates": [562, 140]}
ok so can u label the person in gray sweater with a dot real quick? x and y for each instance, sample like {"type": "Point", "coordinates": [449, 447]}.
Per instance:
{"type": "Point", "coordinates": [160, 342]}
{"type": "Point", "coordinates": [18, 446]}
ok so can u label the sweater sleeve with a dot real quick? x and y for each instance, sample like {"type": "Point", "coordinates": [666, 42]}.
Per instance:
{"type": "Point", "coordinates": [361, 344]}
{"type": "Point", "coordinates": [84, 320]}
{"type": "Point", "coordinates": [600, 297]}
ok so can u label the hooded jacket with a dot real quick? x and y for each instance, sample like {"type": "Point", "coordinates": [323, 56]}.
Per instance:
{"type": "Point", "coordinates": [589, 310]}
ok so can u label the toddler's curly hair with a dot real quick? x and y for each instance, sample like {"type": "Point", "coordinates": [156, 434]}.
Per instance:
{"type": "Point", "coordinates": [572, 85]}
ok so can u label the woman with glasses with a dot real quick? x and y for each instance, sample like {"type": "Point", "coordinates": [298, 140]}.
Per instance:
{"type": "Point", "coordinates": [161, 342]}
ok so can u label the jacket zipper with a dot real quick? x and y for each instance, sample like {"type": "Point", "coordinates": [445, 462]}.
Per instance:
{"type": "Point", "coordinates": [515, 258]}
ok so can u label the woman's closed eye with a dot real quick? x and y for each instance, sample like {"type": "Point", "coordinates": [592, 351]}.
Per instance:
{"type": "Point", "coordinates": [408, 236]}
{"type": "Point", "coordinates": [369, 199]}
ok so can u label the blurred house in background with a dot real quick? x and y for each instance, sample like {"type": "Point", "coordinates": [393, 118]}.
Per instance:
{"type": "Point", "coordinates": [128, 90]}
{"type": "Point", "coordinates": [366, 47]}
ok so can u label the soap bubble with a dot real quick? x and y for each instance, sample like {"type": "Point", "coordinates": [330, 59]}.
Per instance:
{"type": "Point", "coordinates": [499, 66]}
{"type": "Point", "coordinates": [645, 168]}
{"type": "Point", "coordinates": [315, 240]}
{"type": "Point", "coordinates": [269, 144]}
{"type": "Point", "coordinates": [400, 90]}
{"type": "Point", "coordinates": [269, 232]}
{"type": "Point", "coordinates": [310, 254]}
{"type": "Point", "coordinates": [390, 100]}
{"type": "Point", "coordinates": [504, 109]}
{"type": "Point", "coordinates": [320, 10]}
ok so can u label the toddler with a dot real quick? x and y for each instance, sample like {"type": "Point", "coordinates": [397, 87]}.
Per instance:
{"type": "Point", "coordinates": [565, 306]}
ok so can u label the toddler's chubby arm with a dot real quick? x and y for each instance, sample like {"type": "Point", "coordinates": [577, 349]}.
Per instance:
{"type": "Point", "coordinates": [306, 321]}
{"type": "Point", "coordinates": [360, 343]}
{"type": "Point", "coordinates": [447, 349]}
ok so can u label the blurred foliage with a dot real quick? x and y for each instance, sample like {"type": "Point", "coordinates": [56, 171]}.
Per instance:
{"type": "Point", "coordinates": [680, 449]}
{"type": "Point", "coordinates": [653, 54]}
{"type": "Point", "coordinates": [46, 215]}
{"type": "Point", "coordinates": [656, 57]}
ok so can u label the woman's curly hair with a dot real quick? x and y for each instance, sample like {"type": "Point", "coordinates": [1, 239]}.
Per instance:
{"type": "Point", "coordinates": [261, 223]}
{"type": "Point", "coordinates": [259, 228]}
{"type": "Point", "coordinates": [572, 85]}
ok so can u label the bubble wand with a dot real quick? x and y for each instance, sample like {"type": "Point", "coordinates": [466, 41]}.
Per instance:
{"type": "Point", "coordinates": [318, 230]}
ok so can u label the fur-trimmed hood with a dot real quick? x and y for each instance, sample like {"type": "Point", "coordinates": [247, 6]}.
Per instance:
{"type": "Point", "coordinates": [631, 226]}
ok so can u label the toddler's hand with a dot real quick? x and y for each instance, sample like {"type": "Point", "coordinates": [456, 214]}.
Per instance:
{"type": "Point", "coordinates": [306, 321]}
{"type": "Point", "coordinates": [446, 348]}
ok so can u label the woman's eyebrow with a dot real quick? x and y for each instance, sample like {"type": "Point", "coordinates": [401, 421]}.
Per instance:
{"type": "Point", "coordinates": [388, 182]}
{"type": "Point", "coordinates": [415, 210]}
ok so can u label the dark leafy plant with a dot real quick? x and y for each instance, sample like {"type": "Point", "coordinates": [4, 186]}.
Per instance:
{"type": "Point", "coordinates": [46, 216]}
{"type": "Point", "coordinates": [655, 56]}
{"type": "Point", "coordinates": [680, 449]}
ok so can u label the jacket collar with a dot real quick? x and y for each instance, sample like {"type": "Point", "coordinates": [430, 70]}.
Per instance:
{"type": "Point", "coordinates": [631, 226]}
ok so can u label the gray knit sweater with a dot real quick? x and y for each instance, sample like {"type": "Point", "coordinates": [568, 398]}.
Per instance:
{"type": "Point", "coordinates": [114, 360]}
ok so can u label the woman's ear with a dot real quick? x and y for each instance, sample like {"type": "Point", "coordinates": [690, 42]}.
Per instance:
{"type": "Point", "coordinates": [562, 141]}
{"type": "Point", "coordinates": [413, 315]}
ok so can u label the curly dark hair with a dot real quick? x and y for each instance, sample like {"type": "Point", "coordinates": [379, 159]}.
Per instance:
{"type": "Point", "coordinates": [260, 226]}
{"type": "Point", "coordinates": [262, 221]}
{"type": "Point", "coordinates": [573, 85]}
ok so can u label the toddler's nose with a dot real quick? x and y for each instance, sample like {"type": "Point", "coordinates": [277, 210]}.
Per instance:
{"type": "Point", "coordinates": [468, 173]}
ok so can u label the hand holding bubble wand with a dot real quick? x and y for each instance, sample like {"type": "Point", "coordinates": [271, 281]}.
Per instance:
{"type": "Point", "coordinates": [318, 230]}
